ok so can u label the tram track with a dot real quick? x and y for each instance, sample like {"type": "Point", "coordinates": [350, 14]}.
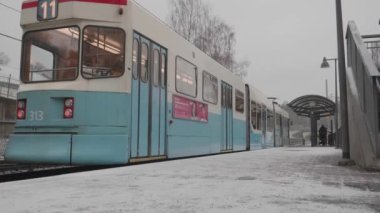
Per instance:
{"type": "Point", "coordinates": [10, 172]}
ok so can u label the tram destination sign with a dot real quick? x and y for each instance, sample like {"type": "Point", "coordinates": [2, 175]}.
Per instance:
{"type": "Point", "coordinates": [47, 9]}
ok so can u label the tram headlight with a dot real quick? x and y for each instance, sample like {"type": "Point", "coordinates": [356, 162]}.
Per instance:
{"type": "Point", "coordinates": [68, 113]}
{"type": "Point", "coordinates": [21, 104]}
{"type": "Point", "coordinates": [21, 109]}
{"type": "Point", "coordinates": [68, 109]}
{"type": "Point", "coordinates": [20, 114]}
{"type": "Point", "coordinates": [69, 102]}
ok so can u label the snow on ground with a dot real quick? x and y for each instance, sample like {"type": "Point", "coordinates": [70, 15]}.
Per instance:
{"type": "Point", "coordinates": [272, 180]}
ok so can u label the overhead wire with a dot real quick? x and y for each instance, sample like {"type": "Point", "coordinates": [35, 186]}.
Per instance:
{"type": "Point", "coordinates": [11, 37]}
{"type": "Point", "coordinates": [9, 7]}
{"type": "Point", "coordinates": [15, 10]}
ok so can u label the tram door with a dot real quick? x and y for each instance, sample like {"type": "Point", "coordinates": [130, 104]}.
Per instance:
{"type": "Point", "coordinates": [248, 119]}
{"type": "Point", "coordinates": [264, 119]}
{"type": "Point", "coordinates": [148, 99]}
{"type": "Point", "coordinates": [227, 117]}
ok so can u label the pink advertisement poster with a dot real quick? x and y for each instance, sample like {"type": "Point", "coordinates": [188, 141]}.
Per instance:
{"type": "Point", "coordinates": [184, 108]}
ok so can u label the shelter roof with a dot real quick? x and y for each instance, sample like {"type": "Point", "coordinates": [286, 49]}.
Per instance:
{"type": "Point", "coordinates": [313, 104]}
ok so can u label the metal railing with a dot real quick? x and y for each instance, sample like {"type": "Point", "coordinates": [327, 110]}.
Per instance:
{"type": "Point", "coordinates": [297, 142]}
{"type": "Point", "coordinates": [363, 59]}
{"type": "Point", "coordinates": [3, 145]}
{"type": "Point", "coordinates": [372, 43]}
{"type": "Point", "coordinates": [8, 87]}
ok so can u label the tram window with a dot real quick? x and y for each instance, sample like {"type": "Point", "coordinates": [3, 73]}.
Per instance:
{"type": "Point", "coordinates": [186, 77]}
{"type": "Point", "coordinates": [144, 63]}
{"type": "Point", "coordinates": [163, 70]}
{"type": "Point", "coordinates": [259, 117]}
{"type": "Point", "coordinates": [210, 88]}
{"type": "Point", "coordinates": [270, 122]}
{"type": "Point", "coordinates": [103, 52]}
{"type": "Point", "coordinates": [135, 56]}
{"type": "Point", "coordinates": [239, 101]}
{"type": "Point", "coordinates": [156, 67]}
{"type": "Point", "coordinates": [43, 65]}
{"type": "Point", "coordinates": [264, 116]}
{"type": "Point", "coordinates": [50, 55]}
{"type": "Point", "coordinates": [254, 115]}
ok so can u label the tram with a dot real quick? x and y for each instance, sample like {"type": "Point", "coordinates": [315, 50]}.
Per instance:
{"type": "Point", "coordinates": [104, 82]}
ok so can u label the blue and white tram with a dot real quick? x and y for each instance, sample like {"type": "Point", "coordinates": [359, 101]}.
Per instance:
{"type": "Point", "coordinates": [105, 82]}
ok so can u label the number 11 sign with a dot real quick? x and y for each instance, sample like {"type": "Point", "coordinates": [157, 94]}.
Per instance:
{"type": "Point", "coordinates": [47, 9]}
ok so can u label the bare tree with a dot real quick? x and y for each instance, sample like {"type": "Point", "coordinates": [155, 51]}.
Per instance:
{"type": "Point", "coordinates": [4, 59]}
{"type": "Point", "coordinates": [192, 19]}
{"type": "Point", "coordinates": [240, 68]}
{"type": "Point", "coordinates": [187, 17]}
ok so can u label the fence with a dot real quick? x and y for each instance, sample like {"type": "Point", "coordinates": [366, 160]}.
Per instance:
{"type": "Point", "coordinates": [8, 87]}
{"type": "Point", "coordinates": [8, 95]}
{"type": "Point", "coordinates": [7, 121]}
{"type": "Point", "coordinates": [297, 142]}
{"type": "Point", "coordinates": [3, 145]}
{"type": "Point", "coordinates": [366, 78]}
{"type": "Point", "coordinates": [372, 42]}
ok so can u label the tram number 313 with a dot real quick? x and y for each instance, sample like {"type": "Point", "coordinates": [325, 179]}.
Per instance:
{"type": "Point", "coordinates": [47, 9]}
{"type": "Point", "coordinates": [36, 115]}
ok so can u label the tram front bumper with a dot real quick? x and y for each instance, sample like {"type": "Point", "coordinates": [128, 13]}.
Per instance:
{"type": "Point", "coordinates": [65, 149]}
{"type": "Point", "coordinates": [39, 148]}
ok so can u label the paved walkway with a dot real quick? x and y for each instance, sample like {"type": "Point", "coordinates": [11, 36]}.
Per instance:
{"type": "Point", "coordinates": [272, 180]}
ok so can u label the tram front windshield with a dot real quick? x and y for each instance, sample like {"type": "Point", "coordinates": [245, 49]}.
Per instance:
{"type": "Point", "coordinates": [50, 55]}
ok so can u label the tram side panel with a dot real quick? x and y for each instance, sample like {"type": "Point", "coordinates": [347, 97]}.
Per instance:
{"type": "Point", "coordinates": [196, 134]}
{"type": "Point", "coordinates": [258, 120]}
{"type": "Point", "coordinates": [187, 138]}
{"type": "Point", "coordinates": [193, 125]}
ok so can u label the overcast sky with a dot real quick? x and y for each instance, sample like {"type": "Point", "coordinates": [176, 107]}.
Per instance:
{"type": "Point", "coordinates": [285, 40]}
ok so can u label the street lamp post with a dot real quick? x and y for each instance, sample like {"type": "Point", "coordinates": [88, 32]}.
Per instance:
{"type": "Point", "coordinates": [274, 118]}
{"type": "Point", "coordinates": [325, 64]}
{"type": "Point", "coordinates": [345, 140]}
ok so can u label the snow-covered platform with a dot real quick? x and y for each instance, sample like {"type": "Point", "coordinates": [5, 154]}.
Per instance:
{"type": "Point", "coordinates": [272, 180]}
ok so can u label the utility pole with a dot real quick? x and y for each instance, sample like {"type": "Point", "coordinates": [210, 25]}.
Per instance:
{"type": "Point", "coordinates": [342, 79]}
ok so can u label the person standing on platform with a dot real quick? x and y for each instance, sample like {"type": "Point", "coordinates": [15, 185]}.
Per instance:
{"type": "Point", "coordinates": [322, 135]}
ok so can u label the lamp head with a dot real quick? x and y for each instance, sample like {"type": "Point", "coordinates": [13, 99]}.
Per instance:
{"type": "Point", "coordinates": [325, 64]}
{"type": "Point", "coordinates": [272, 98]}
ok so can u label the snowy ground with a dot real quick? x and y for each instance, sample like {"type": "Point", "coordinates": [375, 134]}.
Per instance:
{"type": "Point", "coordinates": [273, 180]}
